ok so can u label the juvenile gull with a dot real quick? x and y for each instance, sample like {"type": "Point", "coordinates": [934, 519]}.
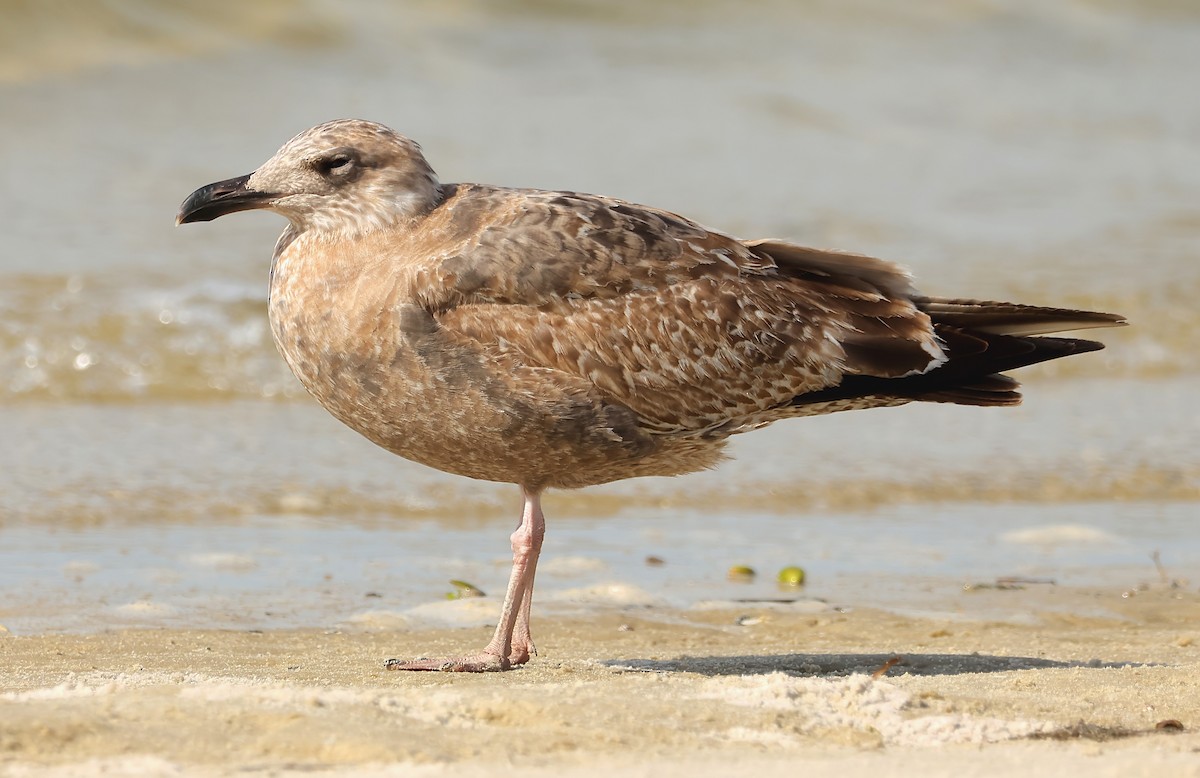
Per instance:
{"type": "Point", "coordinates": [560, 339]}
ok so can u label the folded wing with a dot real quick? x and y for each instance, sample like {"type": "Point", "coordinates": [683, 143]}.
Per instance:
{"type": "Point", "coordinates": [691, 329]}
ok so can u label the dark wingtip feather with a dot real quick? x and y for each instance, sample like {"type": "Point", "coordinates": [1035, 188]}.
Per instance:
{"type": "Point", "coordinates": [972, 377]}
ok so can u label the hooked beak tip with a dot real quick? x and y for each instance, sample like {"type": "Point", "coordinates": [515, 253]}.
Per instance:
{"type": "Point", "coordinates": [220, 198]}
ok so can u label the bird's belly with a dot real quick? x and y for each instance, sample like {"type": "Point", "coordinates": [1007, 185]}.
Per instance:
{"type": "Point", "coordinates": [436, 402]}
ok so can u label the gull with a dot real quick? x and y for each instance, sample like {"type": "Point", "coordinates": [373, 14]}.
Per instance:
{"type": "Point", "coordinates": [562, 340]}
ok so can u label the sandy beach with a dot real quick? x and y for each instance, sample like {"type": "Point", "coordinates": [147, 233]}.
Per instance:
{"type": "Point", "coordinates": [202, 573]}
{"type": "Point", "coordinates": [722, 690]}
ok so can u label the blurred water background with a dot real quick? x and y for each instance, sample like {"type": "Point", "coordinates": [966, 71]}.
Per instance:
{"type": "Point", "coordinates": [1011, 149]}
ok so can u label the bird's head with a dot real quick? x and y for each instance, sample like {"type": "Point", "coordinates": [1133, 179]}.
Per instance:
{"type": "Point", "coordinates": [345, 177]}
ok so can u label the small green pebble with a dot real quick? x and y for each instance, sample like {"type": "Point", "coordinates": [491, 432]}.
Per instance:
{"type": "Point", "coordinates": [462, 589]}
{"type": "Point", "coordinates": [791, 576]}
{"type": "Point", "coordinates": [741, 573]}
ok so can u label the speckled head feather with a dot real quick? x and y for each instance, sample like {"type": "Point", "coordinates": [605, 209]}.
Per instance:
{"type": "Point", "coordinates": [348, 177]}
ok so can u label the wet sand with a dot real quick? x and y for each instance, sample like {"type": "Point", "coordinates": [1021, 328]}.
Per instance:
{"type": "Point", "coordinates": [715, 691]}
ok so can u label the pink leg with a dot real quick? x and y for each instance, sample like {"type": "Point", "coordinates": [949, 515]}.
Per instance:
{"type": "Point", "coordinates": [512, 644]}
{"type": "Point", "coordinates": [522, 647]}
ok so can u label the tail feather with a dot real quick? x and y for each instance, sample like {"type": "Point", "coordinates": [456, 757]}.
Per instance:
{"type": "Point", "coordinates": [977, 379]}
{"type": "Point", "coordinates": [982, 340]}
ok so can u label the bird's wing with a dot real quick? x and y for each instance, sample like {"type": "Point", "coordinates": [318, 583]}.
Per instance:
{"type": "Point", "coordinates": [689, 328]}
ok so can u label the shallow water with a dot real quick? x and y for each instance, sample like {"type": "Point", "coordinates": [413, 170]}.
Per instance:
{"type": "Point", "coordinates": [288, 570]}
{"type": "Point", "coordinates": [1043, 152]}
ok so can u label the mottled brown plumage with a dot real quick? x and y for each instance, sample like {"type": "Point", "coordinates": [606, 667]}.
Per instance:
{"type": "Point", "coordinates": [558, 339]}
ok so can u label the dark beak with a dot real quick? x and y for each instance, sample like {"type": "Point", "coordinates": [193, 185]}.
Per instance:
{"type": "Point", "coordinates": [209, 202]}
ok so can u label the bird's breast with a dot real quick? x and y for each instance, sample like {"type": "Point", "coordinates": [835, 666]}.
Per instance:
{"type": "Point", "coordinates": [379, 362]}
{"type": "Point", "coordinates": [354, 342]}
{"type": "Point", "coordinates": [354, 332]}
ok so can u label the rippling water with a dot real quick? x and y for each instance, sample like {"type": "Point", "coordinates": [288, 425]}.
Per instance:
{"type": "Point", "coordinates": [1046, 152]}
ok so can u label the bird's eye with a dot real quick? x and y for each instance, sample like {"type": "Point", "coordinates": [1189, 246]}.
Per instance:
{"type": "Point", "coordinates": [339, 162]}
